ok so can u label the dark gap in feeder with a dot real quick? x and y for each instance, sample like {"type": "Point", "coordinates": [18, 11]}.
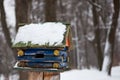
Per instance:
{"type": "Point", "coordinates": [39, 56]}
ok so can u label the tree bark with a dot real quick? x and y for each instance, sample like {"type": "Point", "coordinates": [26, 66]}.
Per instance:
{"type": "Point", "coordinates": [109, 47]}
{"type": "Point", "coordinates": [50, 10]}
{"type": "Point", "coordinates": [4, 24]}
{"type": "Point", "coordinates": [9, 56]}
{"type": "Point", "coordinates": [97, 42]}
{"type": "Point", "coordinates": [22, 12]}
{"type": "Point", "coordinates": [22, 18]}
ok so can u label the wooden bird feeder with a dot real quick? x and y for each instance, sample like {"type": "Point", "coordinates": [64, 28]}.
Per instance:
{"type": "Point", "coordinates": [43, 47]}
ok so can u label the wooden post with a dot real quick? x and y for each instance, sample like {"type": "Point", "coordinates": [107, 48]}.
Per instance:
{"type": "Point", "coordinates": [35, 76]}
{"type": "Point", "coordinates": [44, 76]}
{"type": "Point", "coordinates": [51, 76]}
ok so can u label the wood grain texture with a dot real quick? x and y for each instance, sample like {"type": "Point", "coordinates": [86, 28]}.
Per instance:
{"type": "Point", "coordinates": [35, 76]}
{"type": "Point", "coordinates": [44, 76]}
{"type": "Point", "coordinates": [51, 76]}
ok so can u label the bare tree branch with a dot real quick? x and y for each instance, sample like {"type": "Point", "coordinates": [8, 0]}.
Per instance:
{"type": "Point", "coordinates": [95, 4]}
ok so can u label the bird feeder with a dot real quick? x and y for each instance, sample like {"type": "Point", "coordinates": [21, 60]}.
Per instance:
{"type": "Point", "coordinates": [43, 47]}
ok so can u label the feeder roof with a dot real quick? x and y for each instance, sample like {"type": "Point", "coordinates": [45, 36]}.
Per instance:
{"type": "Point", "coordinates": [48, 34]}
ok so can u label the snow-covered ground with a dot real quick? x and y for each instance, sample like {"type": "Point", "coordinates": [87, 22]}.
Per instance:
{"type": "Point", "coordinates": [84, 74]}
{"type": "Point", "coordinates": [11, 77]}
{"type": "Point", "coordinates": [91, 74]}
{"type": "Point", "coordinates": [115, 73]}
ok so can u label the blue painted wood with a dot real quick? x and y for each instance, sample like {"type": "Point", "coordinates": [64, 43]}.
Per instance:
{"type": "Point", "coordinates": [45, 65]}
{"type": "Point", "coordinates": [43, 51]}
{"type": "Point", "coordinates": [43, 59]}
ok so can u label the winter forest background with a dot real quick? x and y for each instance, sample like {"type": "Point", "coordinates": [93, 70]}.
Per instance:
{"type": "Point", "coordinates": [95, 30]}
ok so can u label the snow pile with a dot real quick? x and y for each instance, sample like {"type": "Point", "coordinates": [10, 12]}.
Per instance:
{"type": "Point", "coordinates": [91, 74]}
{"type": "Point", "coordinates": [14, 77]}
{"type": "Point", "coordinates": [51, 33]}
{"type": "Point", "coordinates": [10, 77]}
{"type": "Point", "coordinates": [115, 73]}
{"type": "Point", "coordinates": [84, 75]}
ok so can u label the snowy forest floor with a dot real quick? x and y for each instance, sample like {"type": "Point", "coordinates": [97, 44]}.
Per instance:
{"type": "Point", "coordinates": [91, 74]}
{"type": "Point", "coordinates": [85, 74]}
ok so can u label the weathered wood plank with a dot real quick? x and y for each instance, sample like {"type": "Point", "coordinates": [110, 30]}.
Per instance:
{"type": "Point", "coordinates": [35, 76]}
{"type": "Point", "coordinates": [44, 76]}
{"type": "Point", "coordinates": [51, 76]}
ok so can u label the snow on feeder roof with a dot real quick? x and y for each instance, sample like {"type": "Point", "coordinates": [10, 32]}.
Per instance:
{"type": "Point", "coordinates": [48, 34]}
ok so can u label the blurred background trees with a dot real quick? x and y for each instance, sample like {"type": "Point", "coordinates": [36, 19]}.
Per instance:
{"type": "Point", "coordinates": [90, 21]}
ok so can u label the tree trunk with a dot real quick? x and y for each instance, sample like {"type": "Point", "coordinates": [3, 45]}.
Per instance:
{"type": "Point", "coordinates": [97, 36]}
{"type": "Point", "coordinates": [50, 10]}
{"type": "Point", "coordinates": [109, 47]}
{"type": "Point", "coordinates": [22, 18]}
{"type": "Point", "coordinates": [22, 12]}
{"type": "Point", "coordinates": [4, 24]}
{"type": "Point", "coordinates": [6, 60]}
